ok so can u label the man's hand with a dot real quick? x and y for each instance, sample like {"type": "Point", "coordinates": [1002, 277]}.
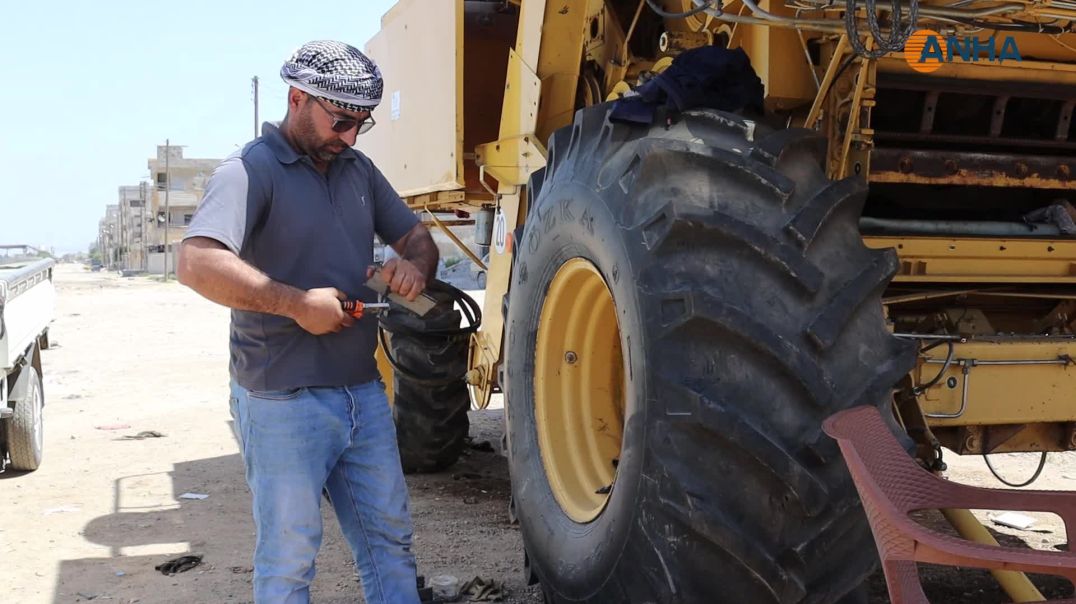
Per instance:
{"type": "Point", "coordinates": [319, 311]}
{"type": "Point", "coordinates": [403, 278]}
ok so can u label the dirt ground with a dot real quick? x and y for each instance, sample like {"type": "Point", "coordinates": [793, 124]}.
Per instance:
{"type": "Point", "coordinates": [135, 355]}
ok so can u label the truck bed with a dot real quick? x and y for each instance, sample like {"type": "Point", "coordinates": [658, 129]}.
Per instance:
{"type": "Point", "coordinates": [27, 303]}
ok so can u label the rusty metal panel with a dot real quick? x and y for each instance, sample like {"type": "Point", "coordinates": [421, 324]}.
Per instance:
{"type": "Point", "coordinates": [947, 167]}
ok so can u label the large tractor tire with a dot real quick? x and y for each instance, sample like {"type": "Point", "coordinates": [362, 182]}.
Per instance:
{"type": "Point", "coordinates": [688, 303]}
{"type": "Point", "coordinates": [24, 432]}
{"type": "Point", "coordinates": [430, 398]}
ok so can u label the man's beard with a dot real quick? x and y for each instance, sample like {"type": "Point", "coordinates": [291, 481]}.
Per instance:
{"type": "Point", "coordinates": [310, 144]}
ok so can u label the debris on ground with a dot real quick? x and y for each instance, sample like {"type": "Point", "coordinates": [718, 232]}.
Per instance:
{"type": "Point", "coordinates": [144, 435]}
{"type": "Point", "coordinates": [1013, 520]}
{"type": "Point", "coordinates": [445, 587]}
{"type": "Point", "coordinates": [112, 427]}
{"type": "Point", "coordinates": [194, 496]}
{"type": "Point", "coordinates": [179, 565]}
{"type": "Point", "coordinates": [482, 445]}
{"type": "Point", "coordinates": [482, 590]}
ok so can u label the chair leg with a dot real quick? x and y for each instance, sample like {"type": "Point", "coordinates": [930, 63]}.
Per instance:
{"type": "Point", "coordinates": [902, 579]}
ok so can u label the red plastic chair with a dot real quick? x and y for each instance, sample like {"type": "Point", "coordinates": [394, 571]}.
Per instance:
{"type": "Point", "coordinates": [891, 485]}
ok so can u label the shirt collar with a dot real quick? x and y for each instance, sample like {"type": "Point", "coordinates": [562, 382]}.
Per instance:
{"type": "Point", "coordinates": [283, 150]}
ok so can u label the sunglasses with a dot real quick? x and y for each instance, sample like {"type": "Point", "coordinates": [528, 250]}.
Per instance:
{"type": "Point", "coordinates": [345, 124]}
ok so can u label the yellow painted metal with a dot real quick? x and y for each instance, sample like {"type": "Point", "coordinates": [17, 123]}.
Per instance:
{"type": "Point", "coordinates": [989, 393]}
{"type": "Point", "coordinates": [459, 244]}
{"type": "Point", "coordinates": [385, 369]}
{"type": "Point", "coordinates": [517, 153]}
{"type": "Point", "coordinates": [563, 33]}
{"type": "Point", "coordinates": [438, 201]}
{"type": "Point", "coordinates": [579, 389]}
{"type": "Point", "coordinates": [619, 90]}
{"type": "Point", "coordinates": [862, 92]}
{"type": "Point", "coordinates": [1006, 438]}
{"type": "Point", "coordinates": [519, 117]}
{"type": "Point", "coordinates": [1011, 71]}
{"type": "Point", "coordinates": [661, 64]}
{"type": "Point", "coordinates": [512, 160]}
{"type": "Point", "coordinates": [827, 80]}
{"type": "Point", "coordinates": [965, 260]}
{"type": "Point", "coordinates": [418, 51]}
{"type": "Point", "coordinates": [778, 58]}
{"type": "Point", "coordinates": [1015, 584]}
{"type": "Point", "coordinates": [617, 68]}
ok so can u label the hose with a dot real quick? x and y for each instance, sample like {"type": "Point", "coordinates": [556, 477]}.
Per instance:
{"type": "Point", "coordinates": [945, 367]}
{"type": "Point", "coordinates": [654, 6]}
{"type": "Point", "coordinates": [1034, 477]}
{"type": "Point", "coordinates": [883, 45]}
{"type": "Point", "coordinates": [470, 310]}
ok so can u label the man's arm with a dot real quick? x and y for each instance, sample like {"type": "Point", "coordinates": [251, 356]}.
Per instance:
{"type": "Point", "coordinates": [417, 264]}
{"type": "Point", "coordinates": [208, 267]}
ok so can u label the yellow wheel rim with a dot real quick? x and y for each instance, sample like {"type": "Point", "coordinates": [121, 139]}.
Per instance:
{"type": "Point", "coordinates": [579, 390]}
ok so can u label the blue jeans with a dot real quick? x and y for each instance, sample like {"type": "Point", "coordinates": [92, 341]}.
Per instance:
{"type": "Point", "coordinates": [296, 444]}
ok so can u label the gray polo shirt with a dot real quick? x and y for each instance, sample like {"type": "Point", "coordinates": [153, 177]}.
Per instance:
{"type": "Point", "coordinates": [268, 204]}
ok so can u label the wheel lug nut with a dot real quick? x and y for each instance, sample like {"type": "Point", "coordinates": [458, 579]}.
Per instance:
{"type": "Point", "coordinates": [570, 357]}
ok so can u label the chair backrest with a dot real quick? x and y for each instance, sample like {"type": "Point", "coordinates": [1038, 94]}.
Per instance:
{"type": "Point", "coordinates": [866, 440]}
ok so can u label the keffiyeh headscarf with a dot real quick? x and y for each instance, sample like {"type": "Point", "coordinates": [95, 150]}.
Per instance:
{"type": "Point", "coordinates": [336, 72]}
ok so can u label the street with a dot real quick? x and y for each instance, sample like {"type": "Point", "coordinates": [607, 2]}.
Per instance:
{"type": "Point", "coordinates": [136, 356]}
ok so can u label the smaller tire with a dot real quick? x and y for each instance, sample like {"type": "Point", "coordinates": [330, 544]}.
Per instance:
{"type": "Point", "coordinates": [431, 400]}
{"type": "Point", "coordinates": [24, 432]}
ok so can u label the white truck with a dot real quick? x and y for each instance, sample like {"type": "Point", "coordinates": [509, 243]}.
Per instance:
{"type": "Point", "coordinates": [27, 306]}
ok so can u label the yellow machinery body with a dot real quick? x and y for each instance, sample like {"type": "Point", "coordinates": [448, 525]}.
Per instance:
{"type": "Point", "coordinates": [956, 155]}
{"type": "Point", "coordinates": [476, 88]}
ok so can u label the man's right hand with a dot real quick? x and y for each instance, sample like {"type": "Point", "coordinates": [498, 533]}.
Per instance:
{"type": "Point", "coordinates": [319, 311]}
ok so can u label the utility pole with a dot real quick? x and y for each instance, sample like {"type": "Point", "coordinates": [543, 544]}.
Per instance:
{"type": "Point", "coordinates": [142, 265]}
{"type": "Point", "coordinates": [167, 208]}
{"type": "Point", "coordinates": [255, 83]}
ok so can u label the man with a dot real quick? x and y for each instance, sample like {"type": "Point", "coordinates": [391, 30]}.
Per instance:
{"type": "Point", "coordinates": [286, 232]}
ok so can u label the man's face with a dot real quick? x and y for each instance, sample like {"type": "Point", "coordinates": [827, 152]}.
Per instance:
{"type": "Point", "coordinates": [314, 131]}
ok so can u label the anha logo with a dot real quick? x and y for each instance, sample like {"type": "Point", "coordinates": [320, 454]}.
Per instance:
{"type": "Point", "coordinates": [926, 50]}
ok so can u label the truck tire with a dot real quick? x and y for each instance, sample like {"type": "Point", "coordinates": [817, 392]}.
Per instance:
{"type": "Point", "coordinates": [430, 398]}
{"type": "Point", "coordinates": [24, 431]}
{"type": "Point", "coordinates": [689, 302]}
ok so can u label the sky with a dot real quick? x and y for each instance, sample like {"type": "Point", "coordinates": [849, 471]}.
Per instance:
{"type": "Point", "coordinates": [90, 88]}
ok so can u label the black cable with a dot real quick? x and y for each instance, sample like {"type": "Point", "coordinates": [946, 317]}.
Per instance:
{"type": "Point", "coordinates": [654, 6]}
{"type": "Point", "coordinates": [945, 367]}
{"type": "Point", "coordinates": [1014, 26]}
{"type": "Point", "coordinates": [897, 35]}
{"type": "Point", "coordinates": [469, 309]}
{"type": "Point", "coordinates": [844, 66]}
{"type": "Point", "coordinates": [1034, 477]}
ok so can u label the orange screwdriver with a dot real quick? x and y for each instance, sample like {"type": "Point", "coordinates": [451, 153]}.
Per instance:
{"type": "Point", "coordinates": [357, 308]}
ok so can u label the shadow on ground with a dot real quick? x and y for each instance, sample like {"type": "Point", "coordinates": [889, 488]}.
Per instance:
{"type": "Point", "coordinates": [460, 517]}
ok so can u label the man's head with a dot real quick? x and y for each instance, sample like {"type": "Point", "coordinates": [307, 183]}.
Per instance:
{"type": "Point", "coordinates": [334, 88]}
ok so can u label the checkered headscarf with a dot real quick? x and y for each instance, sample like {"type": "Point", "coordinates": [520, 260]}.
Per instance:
{"type": "Point", "coordinates": [336, 72]}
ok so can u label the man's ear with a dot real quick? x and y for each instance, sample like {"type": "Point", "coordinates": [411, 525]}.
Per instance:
{"type": "Point", "coordinates": [295, 97]}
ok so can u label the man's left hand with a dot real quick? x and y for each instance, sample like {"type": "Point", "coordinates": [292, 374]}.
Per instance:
{"type": "Point", "coordinates": [404, 278]}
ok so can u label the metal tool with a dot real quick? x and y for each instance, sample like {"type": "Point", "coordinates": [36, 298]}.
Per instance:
{"type": "Point", "coordinates": [420, 305]}
{"type": "Point", "coordinates": [358, 308]}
